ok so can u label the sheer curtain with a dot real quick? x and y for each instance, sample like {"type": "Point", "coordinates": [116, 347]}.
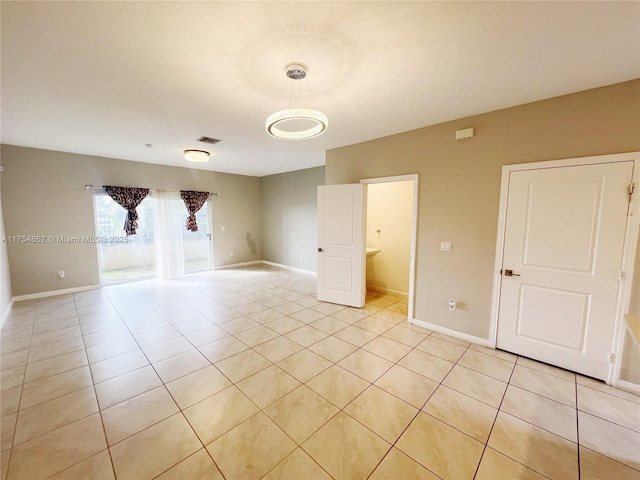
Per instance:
{"type": "Point", "coordinates": [169, 223]}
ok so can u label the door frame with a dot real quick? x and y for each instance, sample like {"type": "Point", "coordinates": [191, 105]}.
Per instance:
{"type": "Point", "coordinates": [628, 253]}
{"type": "Point", "coordinates": [209, 205]}
{"type": "Point", "coordinates": [414, 232]}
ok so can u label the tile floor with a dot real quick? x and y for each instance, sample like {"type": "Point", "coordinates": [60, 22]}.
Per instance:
{"type": "Point", "coordinates": [242, 374]}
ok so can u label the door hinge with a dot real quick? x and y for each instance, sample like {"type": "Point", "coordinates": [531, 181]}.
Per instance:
{"type": "Point", "coordinates": [612, 357]}
{"type": "Point", "coordinates": [620, 275]}
{"type": "Point", "coordinates": [632, 188]}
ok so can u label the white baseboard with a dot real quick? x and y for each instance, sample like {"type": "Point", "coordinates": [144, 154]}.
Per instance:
{"type": "Point", "coordinates": [54, 293]}
{"type": "Point", "coordinates": [628, 386]}
{"type": "Point", "coordinates": [452, 333]}
{"type": "Point", "coordinates": [288, 267]}
{"type": "Point", "coordinates": [236, 265]}
{"type": "Point", "coordinates": [386, 290]}
{"type": "Point", "coordinates": [6, 313]}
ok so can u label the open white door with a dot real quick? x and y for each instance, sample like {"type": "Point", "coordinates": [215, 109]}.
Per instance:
{"type": "Point", "coordinates": [563, 245]}
{"type": "Point", "coordinates": [341, 250]}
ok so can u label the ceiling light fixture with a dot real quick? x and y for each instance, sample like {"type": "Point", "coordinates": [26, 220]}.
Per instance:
{"type": "Point", "coordinates": [296, 123]}
{"type": "Point", "coordinates": [196, 155]}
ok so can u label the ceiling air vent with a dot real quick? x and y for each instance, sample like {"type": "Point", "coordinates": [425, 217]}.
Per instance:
{"type": "Point", "coordinates": [210, 140]}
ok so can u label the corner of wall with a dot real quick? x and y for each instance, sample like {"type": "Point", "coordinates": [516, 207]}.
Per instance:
{"type": "Point", "coordinates": [5, 277]}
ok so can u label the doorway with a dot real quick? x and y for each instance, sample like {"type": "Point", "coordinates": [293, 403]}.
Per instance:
{"type": "Point", "coordinates": [388, 237]}
{"type": "Point", "coordinates": [124, 258]}
{"type": "Point", "coordinates": [341, 242]}
{"type": "Point", "coordinates": [391, 235]}
{"type": "Point", "coordinates": [563, 249]}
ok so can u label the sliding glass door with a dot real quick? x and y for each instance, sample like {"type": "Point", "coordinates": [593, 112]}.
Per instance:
{"type": "Point", "coordinates": [124, 258]}
{"type": "Point", "coordinates": [162, 247]}
{"type": "Point", "coordinates": [197, 245]}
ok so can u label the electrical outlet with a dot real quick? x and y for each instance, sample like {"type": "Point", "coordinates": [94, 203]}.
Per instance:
{"type": "Point", "coordinates": [291, 255]}
{"type": "Point", "coordinates": [231, 254]}
{"type": "Point", "coordinates": [453, 305]}
{"type": "Point", "coordinates": [445, 246]}
{"type": "Point", "coordinates": [302, 258]}
{"type": "Point", "coordinates": [61, 274]}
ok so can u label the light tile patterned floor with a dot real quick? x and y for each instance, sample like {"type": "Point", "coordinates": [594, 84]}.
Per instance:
{"type": "Point", "coordinates": [242, 374]}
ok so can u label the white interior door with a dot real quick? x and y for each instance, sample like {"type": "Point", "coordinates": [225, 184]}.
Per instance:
{"type": "Point", "coordinates": [564, 239]}
{"type": "Point", "coordinates": [341, 250]}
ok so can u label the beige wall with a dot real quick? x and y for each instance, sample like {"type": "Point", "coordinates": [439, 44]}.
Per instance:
{"type": "Point", "coordinates": [634, 304]}
{"type": "Point", "coordinates": [389, 211]}
{"type": "Point", "coordinates": [289, 217]}
{"type": "Point", "coordinates": [460, 184]}
{"type": "Point", "coordinates": [43, 193]}
{"type": "Point", "coordinates": [630, 367]}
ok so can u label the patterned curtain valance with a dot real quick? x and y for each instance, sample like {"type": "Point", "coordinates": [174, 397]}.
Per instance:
{"type": "Point", "coordinates": [128, 198]}
{"type": "Point", "coordinates": [194, 202]}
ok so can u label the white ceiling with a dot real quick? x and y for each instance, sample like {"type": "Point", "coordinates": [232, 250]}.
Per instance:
{"type": "Point", "coordinates": [105, 77]}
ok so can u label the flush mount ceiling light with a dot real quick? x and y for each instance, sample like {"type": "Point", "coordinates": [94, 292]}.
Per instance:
{"type": "Point", "coordinates": [196, 155]}
{"type": "Point", "coordinates": [296, 123]}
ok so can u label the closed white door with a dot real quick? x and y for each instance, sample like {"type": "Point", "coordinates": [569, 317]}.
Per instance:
{"type": "Point", "coordinates": [564, 238]}
{"type": "Point", "coordinates": [341, 251]}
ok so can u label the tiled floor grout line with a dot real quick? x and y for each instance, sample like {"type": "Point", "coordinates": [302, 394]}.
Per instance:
{"type": "Point", "coordinates": [164, 385]}
{"type": "Point", "coordinates": [17, 413]}
{"type": "Point", "coordinates": [146, 295]}
{"type": "Point", "coordinates": [336, 363]}
{"type": "Point", "coordinates": [95, 392]}
{"type": "Point", "coordinates": [372, 384]}
{"type": "Point", "coordinates": [180, 408]}
{"type": "Point", "coordinates": [420, 410]}
{"type": "Point", "coordinates": [262, 410]}
{"type": "Point", "coordinates": [593, 414]}
{"type": "Point", "coordinates": [15, 428]}
{"type": "Point", "coordinates": [493, 424]}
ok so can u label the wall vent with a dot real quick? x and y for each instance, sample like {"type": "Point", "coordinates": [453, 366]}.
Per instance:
{"type": "Point", "coordinates": [210, 140]}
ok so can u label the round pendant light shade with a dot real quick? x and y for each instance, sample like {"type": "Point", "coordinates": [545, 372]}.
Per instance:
{"type": "Point", "coordinates": [296, 123]}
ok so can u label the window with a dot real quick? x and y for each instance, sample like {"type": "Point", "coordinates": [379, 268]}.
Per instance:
{"type": "Point", "coordinates": [121, 257]}
{"type": "Point", "coordinates": [162, 247]}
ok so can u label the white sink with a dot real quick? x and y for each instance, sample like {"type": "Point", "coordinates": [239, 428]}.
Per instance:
{"type": "Point", "coordinates": [372, 251]}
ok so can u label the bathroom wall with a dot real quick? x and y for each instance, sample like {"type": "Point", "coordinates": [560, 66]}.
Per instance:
{"type": "Point", "coordinates": [389, 211]}
{"type": "Point", "coordinates": [630, 368]}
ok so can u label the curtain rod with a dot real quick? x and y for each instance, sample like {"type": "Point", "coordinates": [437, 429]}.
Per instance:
{"type": "Point", "coordinates": [89, 186]}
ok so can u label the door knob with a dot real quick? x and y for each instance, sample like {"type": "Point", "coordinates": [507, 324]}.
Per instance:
{"type": "Point", "coordinates": [509, 273]}
{"type": "Point", "coordinates": [320, 249]}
